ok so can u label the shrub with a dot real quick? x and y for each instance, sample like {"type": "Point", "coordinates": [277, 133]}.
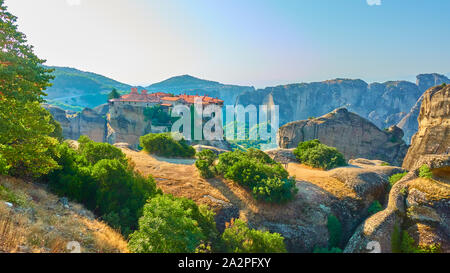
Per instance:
{"type": "Point", "coordinates": [335, 231]}
{"type": "Point", "coordinates": [374, 208]}
{"type": "Point", "coordinates": [317, 155]}
{"type": "Point", "coordinates": [205, 163]}
{"type": "Point", "coordinates": [165, 145]}
{"type": "Point", "coordinates": [425, 172]}
{"type": "Point", "coordinates": [109, 187]}
{"type": "Point", "coordinates": [4, 167]}
{"type": "Point", "coordinates": [275, 190]}
{"type": "Point", "coordinates": [157, 115]}
{"type": "Point", "coordinates": [94, 152]}
{"type": "Point", "coordinates": [254, 169]}
{"type": "Point", "coordinates": [444, 84]}
{"type": "Point", "coordinates": [396, 177]}
{"type": "Point", "coordinates": [408, 245]}
{"type": "Point", "coordinates": [238, 238]}
{"type": "Point", "coordinates": [171, 225]}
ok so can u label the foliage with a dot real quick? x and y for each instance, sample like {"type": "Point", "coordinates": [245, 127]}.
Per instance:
{"type": "Point", "coordinates": [408, 245]}
{"type": "Point", "coordinates": [396, 177]}
{"type": "Point", "coordinates": [254, 169]}
{"type": "Point", "coordinates": [334, 230]}
{"type": "Point", "coordinates": [318, 155]}
{"type": "Point", "coordinates": [24, 125]}
{"type": "Point", "coordinates": [238, 238]}
{"type": "Point", "coordinates": [444, 84]}
{"type": "Point", "coordinates": [275, 190]}
{"type": "Point", "coordinates": [4, 167]}
{"type": "Point", "coordinates": [165, 145]}
{"type": "Point", "coordinates": [425, 172]}
{"type": "Point", "coordinates": [94, 152]}
{"type": "Point", "coordinates": [205, 163]}
{"type": "Point", "coordinates": [172, 225]}
{"type": "Point", "coordinates": [157, 115]}
{"type": "Point", "coordinates": [109, 187]}
{"type": "Point", "coordinates": [327, 250]}
{"type": "Point", "coordinates": [114, 94]}
{"type": "Point", "coordinates": [374, 208]}
{"type": "Point", "coordinates": [396, 239]}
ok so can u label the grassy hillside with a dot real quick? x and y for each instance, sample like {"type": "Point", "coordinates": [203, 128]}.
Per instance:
{"type": "Point", "coordinates": [35, 221]}
{"type": "Point", "coordinates": [74, 89]}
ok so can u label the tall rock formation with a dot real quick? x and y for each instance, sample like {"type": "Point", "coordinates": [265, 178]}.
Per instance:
{"type": "Point", "coordinates": [87, 122]}
{"type": "Point", "coordinates": [384, 104]}
{"type": "Point", "coordinates": [409, 123]}
{"type": "Point", "coordinates": [433, 136]}
{"type": "Point", "coordinates": [351, 134]}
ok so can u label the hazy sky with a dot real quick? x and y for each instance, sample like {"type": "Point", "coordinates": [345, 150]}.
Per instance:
{"type": "Point", "coordinates": [248, 42]}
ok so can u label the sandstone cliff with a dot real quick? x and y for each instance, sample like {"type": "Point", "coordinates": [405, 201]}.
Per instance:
{"type": "Point", "coordinates": [87, 122]}
{"type": "Point", "coordinates": [417, 206]}
{"type": "Point", "coordinates": [409, 123]}
{"type": "Point", "coordinates": [433, 136]}
{"type": "Point", "coordinates": [351, 134]}
{"type": "Point", "coordinates": [384, 104]}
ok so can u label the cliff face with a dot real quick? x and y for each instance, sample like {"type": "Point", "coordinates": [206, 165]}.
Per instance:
{"type": "Point", "coordinates": [384, 104]}
{"type": "Point", "coordinates": [409, 123]}
{"type": "Point", "coordinates": [127, 124]}
{"type": "Point", "coordinates": [87, 122]}
{"type": "Point", "coordinates": [433, 136]}
{"type": "Point", "coordinates": [351, 134]}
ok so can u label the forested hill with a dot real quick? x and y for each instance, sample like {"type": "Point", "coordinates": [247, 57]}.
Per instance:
{"type": "Point", "coordinates": [74, 89]}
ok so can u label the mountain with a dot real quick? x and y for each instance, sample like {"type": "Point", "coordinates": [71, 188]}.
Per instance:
{"type": "Point", "coordinates": [195, 86]}
{"type": "Point", "coordinates": [74, 89]}
{"type": "Point", "coordinates": [384, 104]}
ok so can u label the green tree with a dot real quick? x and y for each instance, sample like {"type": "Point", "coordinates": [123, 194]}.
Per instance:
{"type": "Point", "coordinates": [114, 94]}
{"type": "Point", "coordinates": [205, 163]}
{"type": "Point", "coordinates": [24, 125]}
{"type": "Point", "coordinates": [168, 225]}
{"type": "Point", "coordinates": [165, 145]}
{"type": "Point", "coordinates": [334, 231]}
{"type": "Point", "coordinates": [239, 238]}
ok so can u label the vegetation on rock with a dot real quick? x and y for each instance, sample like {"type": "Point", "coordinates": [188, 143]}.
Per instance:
{"type": "Point", "coordinates": [317, 155]}
{"type": "Point", "coordinates": [165, 145]}
{"type": "Point", "coordinates": [238, 238]}
{"type": "Point", "coordinates": [396, 177]}
{"type": "Point", "coordinates": [425, 172]}
{"type": "Point", "coordinates": [255, 170]}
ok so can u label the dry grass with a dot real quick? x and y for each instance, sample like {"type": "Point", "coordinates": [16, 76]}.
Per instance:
{"type": "Point", "coordinates": [435, 190]}
{"type": "Point", "coordinates": [183, 180]}
{"type": "Point", "coordinates": [321, 179]}
{"type": "Point", "coordinates": [43, 225]}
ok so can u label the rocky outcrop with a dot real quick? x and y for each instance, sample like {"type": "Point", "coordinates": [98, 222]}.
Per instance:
{"type": "Point", "coordinates": [283, 156]}
{"type": "Point", "coordinates": [217, 151]}
{"type": "Point", "coordinates": [87, 122]}
{"type": "Point", "coordinates": [127, 124]}
{"type": "Point", "coordinates": [417, 206]}
{"type": "Point", "coordinates": [351, 134]}
{"type": "Point", "coordinates": [433, 137]}
{"type": "Point", "coordinates": [409, 123]}
{"type": "Point", "coordinates": [384, 104]}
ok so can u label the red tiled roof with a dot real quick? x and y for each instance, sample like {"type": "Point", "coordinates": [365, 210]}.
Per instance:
{"type": "Point", "coordinates": [134, 96]}
{"type": "Point", "coordinates": [166, 104]}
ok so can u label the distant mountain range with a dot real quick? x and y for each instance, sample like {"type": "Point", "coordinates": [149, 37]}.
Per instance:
{"type": "Point", "coordinates": [74, 89]}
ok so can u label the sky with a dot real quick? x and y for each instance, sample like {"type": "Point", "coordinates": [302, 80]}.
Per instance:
{"type": "Point", "coordinates": [253, 42]}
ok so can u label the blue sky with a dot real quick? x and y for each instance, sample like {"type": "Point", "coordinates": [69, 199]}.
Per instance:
{"type": "Point", "coordinates": [251, 42]}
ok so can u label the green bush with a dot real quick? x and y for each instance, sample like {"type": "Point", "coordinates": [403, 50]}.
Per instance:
{"type": "Point", "coordinates": [238, 238]}
{"type": "Point", "coordinates": [94, 152]}
{"type": "Point", "coordinates": [205, 163]}
{"type": "Point", "coordinates": [165, 145]}
{"type": "Point", "coordinates": [18, 199]}
{"type": "Point", "coordinates": [425, 172]}
{"type": "Point", "coordinates": [275, 190]}
{"type": "Point", "coordinates": [254, 169]}
{"type": "Point", "coordinates": [408, 245]}
{"type": "Point", "coordinates": [335, 231]}
{"type": "Point", "coordinates": [110, 188]}
{"type": "Point", "coordinates": [396, 177]}
{"type": "Point", "coordinates": [4, 167]}
{"type": "Point", "coordinates": [157, 115]}
{"type": "Point", "coordinates": [172, 225]}
{"type": "Point", "coordinates": [374, 208]}
{"type": "Point", "coordinates": [317, 155]}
